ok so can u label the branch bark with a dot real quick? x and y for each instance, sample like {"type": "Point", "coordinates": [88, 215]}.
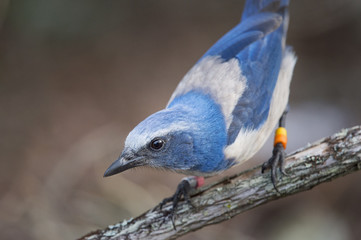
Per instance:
{"type": "Point", "coordinates": [324, 160]}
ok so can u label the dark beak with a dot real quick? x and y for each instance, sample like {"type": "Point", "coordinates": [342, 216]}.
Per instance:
{"type": "Point", "coordinates": [123, 163]}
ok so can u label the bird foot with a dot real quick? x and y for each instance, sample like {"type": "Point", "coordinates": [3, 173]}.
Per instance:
{"type": "Point", "coordinates": [277, 159]}
{"type": "Point", "coordinates": [184, 188]}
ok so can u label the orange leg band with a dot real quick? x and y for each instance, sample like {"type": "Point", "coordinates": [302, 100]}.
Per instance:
{"type": "Point", "coordinates": [281, 136]}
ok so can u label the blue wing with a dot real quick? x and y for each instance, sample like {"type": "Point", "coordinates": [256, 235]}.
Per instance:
{"type": "Point", "coordinates": [245, 33]}
{"type": "Point", "coordinates": [257, 44]}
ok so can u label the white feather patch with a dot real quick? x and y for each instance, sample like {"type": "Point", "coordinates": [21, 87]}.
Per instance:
{"type": "Point", "coordinates": [248, 142]}
{"type": "Point", "coordinates": [222, 80]}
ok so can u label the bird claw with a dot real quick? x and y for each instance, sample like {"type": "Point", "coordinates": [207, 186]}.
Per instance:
{"type": "Point", "coordinates": [277, 159]}
{"type": "Point", "coordinates": [183, 189]}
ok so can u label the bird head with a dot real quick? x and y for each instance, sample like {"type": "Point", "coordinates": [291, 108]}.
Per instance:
{"type": "Point", "coordinates": [163, 140]}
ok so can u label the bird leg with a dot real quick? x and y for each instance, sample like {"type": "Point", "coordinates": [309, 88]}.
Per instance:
{"type": "Point", "coordinates": [278, 153]}
{"type": "Point", "coordinates": [184, 188]}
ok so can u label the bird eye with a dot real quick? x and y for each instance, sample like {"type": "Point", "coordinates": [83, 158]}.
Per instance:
{"type": "Point", "coordinates": [156, 144]}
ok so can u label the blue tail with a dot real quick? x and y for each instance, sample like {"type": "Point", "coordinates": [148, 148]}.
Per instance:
{"type": "Point", "coordinates": [253, 7]}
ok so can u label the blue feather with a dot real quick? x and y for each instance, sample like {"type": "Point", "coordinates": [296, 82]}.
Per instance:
{"type": "Point", "coordinates": [209, 136]}
{"type": "Point", "coordinates": [244, 34]}
{"type": "Point", "coordinates": [260, 63]}
{"type": "Point", "coordinates": [253, 7]}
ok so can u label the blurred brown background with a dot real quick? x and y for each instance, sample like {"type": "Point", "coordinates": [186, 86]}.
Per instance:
{"type": "Point", "coordinates": [77, 76]}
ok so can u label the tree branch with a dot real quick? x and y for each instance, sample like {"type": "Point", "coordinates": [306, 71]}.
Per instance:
{"type": "Point", "coordinates": [319, 162]}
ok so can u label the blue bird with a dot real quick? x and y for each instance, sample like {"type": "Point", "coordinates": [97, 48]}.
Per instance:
{"type": "Point", "coordinates": [225, 107]}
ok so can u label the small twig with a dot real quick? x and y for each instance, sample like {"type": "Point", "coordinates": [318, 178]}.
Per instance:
{"type": "Point", "coordinates": [316, 163]}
